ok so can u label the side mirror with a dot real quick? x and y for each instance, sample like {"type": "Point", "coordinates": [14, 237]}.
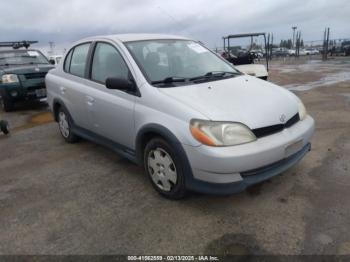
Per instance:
{"type": "Point", "coordinates": [120, 84]}
{"type": "Point", "coordinates": [52, 62]}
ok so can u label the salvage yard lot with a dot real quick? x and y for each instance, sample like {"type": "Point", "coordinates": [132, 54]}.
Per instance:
{"type": "Point", "coordinates": [59, 198]}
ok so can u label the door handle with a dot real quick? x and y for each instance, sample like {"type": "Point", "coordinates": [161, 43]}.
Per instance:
{"type": "Point", "coordinates": [90, 100]}
{"type": "Point", "coordinates": [63, 89]}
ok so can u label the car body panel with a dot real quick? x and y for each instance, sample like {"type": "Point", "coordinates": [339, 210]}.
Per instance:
{"type": "Point", "coordinates": [236, 159]}
{"type": "Point", "coordinates": [243, 99]}
{"type": "Point", "coordinates": [114, 117]}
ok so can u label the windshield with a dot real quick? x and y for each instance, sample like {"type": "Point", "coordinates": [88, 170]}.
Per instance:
{"type": "Point", "coordinates": [176, 59]}
{"type": "Point", "coordinates": [22, 57]}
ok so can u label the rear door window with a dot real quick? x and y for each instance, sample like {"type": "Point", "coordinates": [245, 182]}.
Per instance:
{"type": "Point", "coordinates": [67, 61]}
{"type": "Point", "coordinates": [78, 61]}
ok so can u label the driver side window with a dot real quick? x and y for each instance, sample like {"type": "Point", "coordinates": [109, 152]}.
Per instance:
{"type": "Point", "coordinates": [107, 62]}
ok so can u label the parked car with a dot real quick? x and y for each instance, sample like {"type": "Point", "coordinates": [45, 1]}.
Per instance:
{"type": "Point", "coordinates": [244, 62]}
{"type": "Point", "coordinates": [244, 59]}
{"type": "Point", "coordinates": [302, 52]}
{"type": "Point", "coordinates": [346, 47]}
{"type": "Point", "coordinates": [291, 52]}
{"type": "Point", "coordinates": [340, 49]}
{"type": "Point", "coordinates": [22, 75]}
{"type": "Point", "coordinates": [184, 113]}
{"type": "Point", "coordinates": [55, 59]}
{"type": "Point", "coordinates": [311, 51]}
{"type": "Point", "coordinates": [280, 51]}
{"type": "Point", "coordinates": [258, 53]}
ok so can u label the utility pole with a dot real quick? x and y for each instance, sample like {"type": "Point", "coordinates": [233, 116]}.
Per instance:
{"type": "Point", "coordinates": [271, 45]}
{"type": "Point", "coordinates": [52, 46]}
{"type": "Point", "coordinates": [297, 44]}
{"type": "Point", "coordinates": [294, 28]}
{"type": "Point", "coordinates": [325, 43]}
{"type": "Point", "coordinates": [267, 47]}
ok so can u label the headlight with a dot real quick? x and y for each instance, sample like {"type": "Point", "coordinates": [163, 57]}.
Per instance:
{"type": "Point", "coordinates": [302, 111]}
{"type": "Point", "coordinates": [213, 133]}
{"type": "Point", "coordinates": [9, 78]}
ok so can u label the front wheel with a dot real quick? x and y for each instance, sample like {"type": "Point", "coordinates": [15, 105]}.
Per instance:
{"type": "Point", "coordinates": [7, 104]}
{"type": "Point", "coordinates": [164, 169]}
{"type": "Point", "coordinates": [65, 126]}
{"type": "Point", "coordinates": [4, 127]}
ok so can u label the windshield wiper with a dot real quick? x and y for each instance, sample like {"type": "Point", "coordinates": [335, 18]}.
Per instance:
{"type": "Point", "coordinates": [169, 80]}
{"type": "Point", "coordinates": [214, 74]}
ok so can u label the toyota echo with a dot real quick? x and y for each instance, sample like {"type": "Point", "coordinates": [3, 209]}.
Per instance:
{"type": "Point", "coordinates": [169, 103]}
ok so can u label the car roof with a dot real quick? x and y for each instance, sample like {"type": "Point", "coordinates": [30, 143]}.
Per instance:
{"type": "Point", "coordinates": [135, 37]}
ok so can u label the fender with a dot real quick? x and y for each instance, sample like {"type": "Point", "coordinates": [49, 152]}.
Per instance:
{"type": "Point", "coordinates": [54, 109]}
{"type": "Point", "coordinates": [168, 136]}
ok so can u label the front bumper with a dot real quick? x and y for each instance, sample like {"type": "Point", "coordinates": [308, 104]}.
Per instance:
{"type": "Point", "coordinates": [19, 92]}
{"type": "Point", "coordinates": [224, 170]}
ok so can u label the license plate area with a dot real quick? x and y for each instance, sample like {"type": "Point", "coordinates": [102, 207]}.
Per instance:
{"type": "Point", "coordinates": [293, 148]}
{"type": "Point", "coordinates": [40, 92]}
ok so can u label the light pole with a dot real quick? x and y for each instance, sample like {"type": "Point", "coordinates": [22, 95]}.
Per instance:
{"type": "Point", "coordinates": [294, 27]}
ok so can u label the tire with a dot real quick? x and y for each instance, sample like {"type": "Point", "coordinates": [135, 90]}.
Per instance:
{"type": "Point", "coordinates": [4, 127]}
{"type": "Point", "coordinates": [164, 168]}
{"type": "Point", "coordinates": [7, 104]}
{"type": "Point", "coordinates": [65, 124]}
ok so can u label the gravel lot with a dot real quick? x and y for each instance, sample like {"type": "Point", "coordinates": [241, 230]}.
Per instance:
{"type": "Point", "coordinates": [58, 198]}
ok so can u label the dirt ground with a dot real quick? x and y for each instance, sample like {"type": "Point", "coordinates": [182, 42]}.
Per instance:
{"type": "Point", "coordinates": [58, 198]}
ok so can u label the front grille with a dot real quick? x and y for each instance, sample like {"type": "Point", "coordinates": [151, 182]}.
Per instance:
{"type": "Point", "coordinates": [269, 130]}
{"type": "Point", "coordinates": [292, 121]}
{"type": "Point", "coordinates": [35, 75]}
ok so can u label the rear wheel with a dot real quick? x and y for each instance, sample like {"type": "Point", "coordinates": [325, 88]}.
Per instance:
{"type": "Point", "coordinates": [65, 125]}
{"type": "Point", "coordinates": [164, 169]}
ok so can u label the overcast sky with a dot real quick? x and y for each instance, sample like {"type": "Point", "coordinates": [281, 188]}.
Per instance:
{"type": "Point", "coordinates": [64, 21]}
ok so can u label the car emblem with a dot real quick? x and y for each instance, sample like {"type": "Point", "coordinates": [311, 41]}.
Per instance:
{"type": "Point", "coordinates": [37, 69]}
{"type": "Point", "coordinates": [283, 118]}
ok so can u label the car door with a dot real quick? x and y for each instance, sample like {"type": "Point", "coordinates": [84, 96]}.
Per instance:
{"type": "Point", "coordinates": [73, 88]}
{"type": "Point", "coordinates": [111, 111]}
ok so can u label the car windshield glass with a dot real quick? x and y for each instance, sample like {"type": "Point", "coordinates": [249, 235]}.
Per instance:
{"type": "Point", "coordinates": [177, 61]}
{"type": "Point", "coordinates": [22, 57]}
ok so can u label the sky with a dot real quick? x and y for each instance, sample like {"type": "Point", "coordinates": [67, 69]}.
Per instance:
{"type": "Point", "coordinates": [65, 21]}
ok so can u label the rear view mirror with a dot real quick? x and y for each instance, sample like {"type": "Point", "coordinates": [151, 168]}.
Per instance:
{"type": "Point", "coordinates": [52, 62]}
{"type": "Point", "coordinates": [120, 84]}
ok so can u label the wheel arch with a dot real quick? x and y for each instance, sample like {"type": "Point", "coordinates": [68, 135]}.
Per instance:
{"type": "Point", "coordinates": [150, 131]}
{"type": "Point", "coordinates": [56, 105]}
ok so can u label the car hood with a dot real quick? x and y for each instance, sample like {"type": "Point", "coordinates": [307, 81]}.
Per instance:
{"type": "Point", "coordinates": [245, 99]}
{"type": "Point", "coordinates": [25, 69]}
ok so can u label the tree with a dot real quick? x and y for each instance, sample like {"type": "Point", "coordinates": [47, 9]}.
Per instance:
{"type": "Point", "coordinates": [286, 43]}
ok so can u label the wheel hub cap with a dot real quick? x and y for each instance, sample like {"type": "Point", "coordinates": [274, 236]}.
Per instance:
{"type": "Point", "coordinates": [162, 169]}
{"type": "Point", "coordinates": [63, 124]}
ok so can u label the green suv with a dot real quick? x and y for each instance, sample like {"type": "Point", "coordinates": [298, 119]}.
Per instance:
{"type": "Point", "coordinates": [22, 75]}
